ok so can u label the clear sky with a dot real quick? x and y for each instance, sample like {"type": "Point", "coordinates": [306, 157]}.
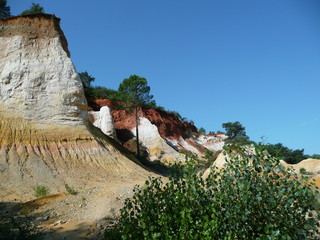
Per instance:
{"type": "Point", "coordinates": [253, 61]}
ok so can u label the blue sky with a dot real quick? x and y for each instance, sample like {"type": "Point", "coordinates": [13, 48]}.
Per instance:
{"type": "Point", "coordinates": [257, 62]}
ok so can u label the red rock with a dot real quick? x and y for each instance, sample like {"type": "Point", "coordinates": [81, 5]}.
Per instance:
{"type": "Point", "coordinates": [168, 126]}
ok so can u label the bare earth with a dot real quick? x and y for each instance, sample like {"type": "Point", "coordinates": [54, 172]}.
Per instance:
{"type": "Point", "coordinates": [65, 216]}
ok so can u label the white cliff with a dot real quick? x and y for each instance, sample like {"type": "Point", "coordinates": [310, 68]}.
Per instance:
{"type": "Point", "coordinates": [158, 148]}
{"type": "Point", "coordinates": [38, 79]}
{"type": "Point", "coordinates": [45, 135]}
{"type": "Point", "coordinates": [212, 142]}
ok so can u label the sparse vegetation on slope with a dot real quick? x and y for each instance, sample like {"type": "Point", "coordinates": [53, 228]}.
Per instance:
{"type": "Point", "coordinates": [41, 191]}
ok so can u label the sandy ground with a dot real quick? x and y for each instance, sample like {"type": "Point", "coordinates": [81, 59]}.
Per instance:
{"type": "Point", "coordinates": [84, 215]}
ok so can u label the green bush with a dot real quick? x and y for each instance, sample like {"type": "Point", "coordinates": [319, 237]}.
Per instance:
{"type": "Point", "coordinates": [251, 198]}
{"type": "Point", "coordinates": [41, 191]}
{"type": "Point", "coordinates": [210, 156]}
{"type": "Point", "coordinates": [305, 172]}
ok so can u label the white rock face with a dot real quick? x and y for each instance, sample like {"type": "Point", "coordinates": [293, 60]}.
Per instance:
{"type": "Point", "coordinates": [157, 146]}
{"type": "Point", "coordinates": [181, 143]}
{"type": "Point", "coordinates": [44, 134]}
{"type": "Point", "coordinates": [39, 81]}
{"type": "Point", "coordinates": [214, 143]}
{"type": "Point", "coordinates": [103, 119]}
{"type": "Point", "coordinates": [310, 165]}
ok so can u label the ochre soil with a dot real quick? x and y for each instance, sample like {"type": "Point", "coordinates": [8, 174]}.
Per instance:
{"type": "Point", "coordinates": [84, 215]}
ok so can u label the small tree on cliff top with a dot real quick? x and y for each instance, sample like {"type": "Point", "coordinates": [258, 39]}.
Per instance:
{"type": "Point", "coordinates": [134, 93]}
{"type": "Point", "coordinates": [236, 133]}
{"type": "Point", "coordinates": [34, 9]}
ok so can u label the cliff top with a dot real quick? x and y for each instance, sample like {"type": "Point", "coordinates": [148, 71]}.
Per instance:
{"type": "Point", "coordinates": [34, 26]}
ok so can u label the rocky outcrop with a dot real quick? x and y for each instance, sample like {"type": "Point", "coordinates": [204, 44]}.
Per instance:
{"type": "Point", "coordinates": [309, 165]}
{"type": "Point", "coordinates": [103, 119]}
{"type": "Point", "coordinates": [45, 134]}
{"type": "Point", "coordinates": [38, 79]}
{"type": "Point", "coordinates": [157, 147]}
{"type": "Point", "coordinates": [160, 132]}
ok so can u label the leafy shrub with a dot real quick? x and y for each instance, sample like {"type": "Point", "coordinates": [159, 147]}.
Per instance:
{"type": "Point", "coordinates": [41, 191]}
{"type": "Point", "coordinates": [250, 198]}
{"type": "Point", "coordinates": [189, 155]}
{"type": "Point", "coordinates": [210, 156]}
{"type": "Point", "coordinates": [305, 172]}
{"type": "Point", "coordinates": [70, 189]}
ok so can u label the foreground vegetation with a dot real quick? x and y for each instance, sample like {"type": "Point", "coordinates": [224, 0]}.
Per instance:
{"type": "Point", "coordinates": [251, 198]}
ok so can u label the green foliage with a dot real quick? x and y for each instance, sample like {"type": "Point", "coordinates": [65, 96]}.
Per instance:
{"type": "Point", "coordinates": [95, 91]}
{"type": "Point", "coordinates": [189, 155]}
{"type": "Point", "coordinates": [100, 92]}
{"type": "Point", "coordinates": [236, 133]}
{"type": "Point", "coordinates": [210, 156]}
{"type": "Point", "coordinates": [134, 92]}
{"type": "Point", "coordinates": [285, 153]}
{"type": "Point", "coordinates": [34, 9]}
{"type": "Point", "coordinates": [251, 198]}
{"type": "Point", "coordinates": [86, 79]}
{"type": "Point", "coordinates": [202, 130]}
{"type": "Point", "coordinates": [176, 115]}
{"type": "Point", "coordinates": [70, 189]}
{"type": "Point", "coordinates": [305, 172]}
{"type": "Point", "coordinates": [4, 9]}
{"type": "Point", "coordinates": [41, 191]}
{"type": "Point", "coordinates": [315, 156]}
{"type": "Point", "coordinates": [112, 234]}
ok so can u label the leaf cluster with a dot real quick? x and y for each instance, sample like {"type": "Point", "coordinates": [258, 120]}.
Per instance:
{"type": "Point", "coordinates": [252, 197]}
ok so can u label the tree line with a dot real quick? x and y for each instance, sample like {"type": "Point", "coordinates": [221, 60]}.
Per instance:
{"type": "Point", "coordinates": [134, 93]}
{"type": "Point", "coordinates": [5, 10]}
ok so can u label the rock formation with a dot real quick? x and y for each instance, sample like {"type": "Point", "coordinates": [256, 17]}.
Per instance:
{"type": "Point", "coordinates": [157, 147]}
{"type": "Point", "coordinates": [103, 119]}
{"type": "Point", "coordinates": [309, 165]}
{"type": "Point", "coordinates": [45, 135]}
{"type": "Point", "coordinates": [160, 132]}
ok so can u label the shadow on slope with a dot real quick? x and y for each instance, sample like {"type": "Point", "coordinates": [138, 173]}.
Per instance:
{"type": "Point", "coordinates": [143, 161]}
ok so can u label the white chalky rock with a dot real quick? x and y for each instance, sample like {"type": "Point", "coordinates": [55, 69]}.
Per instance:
{"type": "Point", "coordinates": [103, 119]}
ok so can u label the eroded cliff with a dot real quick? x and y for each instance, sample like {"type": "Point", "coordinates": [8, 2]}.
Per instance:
{"type": "Point", "coordinates": [45, 134]}
{"type": "Point", "coordinates": [160, 132]}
